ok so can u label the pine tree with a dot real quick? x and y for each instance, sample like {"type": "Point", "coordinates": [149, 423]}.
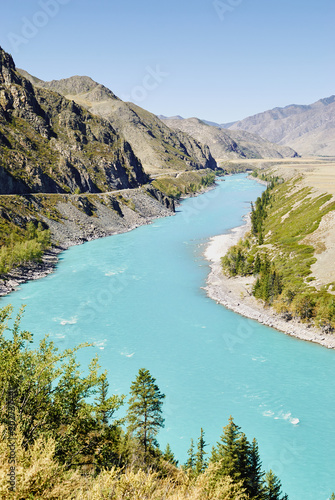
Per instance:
{"type": "Point", "coordinates": [255, 479]}
{"type": "Point", "coordinates": [272, 488]}
{"type": "Point", "coordinates": [106, 406]}
{"type": "Point", "coordinates": [200, 461]}
{"type": "Point", "coordinates": [190, 463]}
{"type": "Point", "coordinates": [169, 456]}
{"type": "Point", "coordinates": [145, 409]}
{"type": "Point", "coordinates": [243, 458]}
{"type": "Point", "coordinates": [227, 451]}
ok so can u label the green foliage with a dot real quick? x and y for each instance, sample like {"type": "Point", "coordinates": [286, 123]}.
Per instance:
{"type": "Point", "coordinates": [21, 250]}
{"type": "Point", "coordinates": [168, 455]}
{"type": "Point", "coordinates": [69, 444]}
{"type": "Point", "coordinates": [52, 396]}
{"type": "Point", "coordinates": [145, 410]}
{"type": "Point", "coordinates": [185, 182]}
{"type": "Point", "coordinates": [200, 461]}
{"type": "Point", "coordinates": [276, 254]}
{"type": "Point", "coordinates": [238, 260]}
{"type": "Point", "coordinates": [272, 488]}
{"type": "Point", "coordinates": [237, 458]}
{"type": "Point", "coordinates": [190, 463]}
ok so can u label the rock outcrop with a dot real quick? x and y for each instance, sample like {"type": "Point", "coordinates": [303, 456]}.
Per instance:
{"type": "Point", "coordinates": [159, 147]}
{"type": "Point", "coordinates": [52, 145]}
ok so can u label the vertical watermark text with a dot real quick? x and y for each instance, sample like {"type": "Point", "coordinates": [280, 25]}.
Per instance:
{"type": "Point", "coordinates": [11, 394]}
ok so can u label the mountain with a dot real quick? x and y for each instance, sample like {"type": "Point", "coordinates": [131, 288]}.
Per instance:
{"type": "Point", "coordinates": [158, 147]}
{"type": "Point", "coordinates": [52, 145]}
{"type": "Point", "coordinates": [309, 129]}
{"type": "Point", "coordinates": [229, 144]}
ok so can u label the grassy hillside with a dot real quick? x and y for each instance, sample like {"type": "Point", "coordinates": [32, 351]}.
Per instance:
{"type": "Point", "coordinates": [277, 252]}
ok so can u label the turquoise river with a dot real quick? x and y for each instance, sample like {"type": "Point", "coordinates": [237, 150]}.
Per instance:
{"type": "Point", "coordinates": [138, 296]}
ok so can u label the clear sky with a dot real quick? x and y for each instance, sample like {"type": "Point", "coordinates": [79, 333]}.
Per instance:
{"type": "Point", "coordinates": [220, 60]}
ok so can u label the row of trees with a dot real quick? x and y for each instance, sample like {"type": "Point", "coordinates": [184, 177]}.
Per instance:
{"type": "Point", "coordinates": [235, 457]}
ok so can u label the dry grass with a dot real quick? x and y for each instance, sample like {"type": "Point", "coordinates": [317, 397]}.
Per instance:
{"type": "Point", "coordinates": [40, 477]}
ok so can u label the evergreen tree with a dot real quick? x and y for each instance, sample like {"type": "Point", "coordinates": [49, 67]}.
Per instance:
{"type": "Point", "coordinates": [169, 456]}
{"type": "Point", "coordinates": [106, 406]}
{"type": "Point", "coordinates": [257, 264]}
{"type": "Point", "coordinates": [190, 463]}
{"type": "Point", "coordinates": [200, 461]}
{"type": "Point", "coordinates": [243, 464]}
{"type": "Point", "coordinates": [255, 477]}
{"type": "Point", "coordinates": [272, 487]}
{"type": "Point", "coordinates": [227, 451]}
{"type": "Point", "coordinates": [145, 409]}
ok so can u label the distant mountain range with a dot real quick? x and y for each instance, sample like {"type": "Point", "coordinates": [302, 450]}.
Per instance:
{"type": "Point", "coordinates": [228, 144]}
{"type": "Point", "coordinates": [309, 129]}
{"type": "Point", "coordinates": [162, 144]}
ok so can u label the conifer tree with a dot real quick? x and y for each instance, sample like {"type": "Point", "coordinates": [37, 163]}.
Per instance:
{"type": "Point", "coordinates": [272, 488]}
{"type": "Point", "coordinates": [200, 461]}
{"type": "Point", "coordinates": [227, 451]}
{"type": "Point", "coordinates": [145, 409]}
{"type": "Point", "coordinates": [255, 478]}
{"type": "Point", "coordinates": [169, 455]}
{"type": "Point", "coordinates": [190, 463]}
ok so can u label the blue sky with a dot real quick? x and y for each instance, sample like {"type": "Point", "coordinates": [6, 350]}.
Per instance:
{"type": "Point", "coordinates": [220, 60]}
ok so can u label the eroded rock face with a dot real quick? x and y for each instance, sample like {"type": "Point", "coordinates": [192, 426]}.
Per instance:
{"type": "Point", "coordinates": [158, 146]}
{"type": "Point", "coordinates": [50, 144]}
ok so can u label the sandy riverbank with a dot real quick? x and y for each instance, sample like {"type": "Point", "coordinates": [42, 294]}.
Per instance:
{"type": "Point", "coordinates": [235, 293]}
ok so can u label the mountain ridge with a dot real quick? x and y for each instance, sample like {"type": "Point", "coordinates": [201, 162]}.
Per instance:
{"type": "Point", "coordinates": [228, 144]}
{"type": "Point", "coordinates": [158, 147]}
{"type": "Point", "coordinates": [53, 145]}
{"type": "Point", "coordinates": [309, 129]}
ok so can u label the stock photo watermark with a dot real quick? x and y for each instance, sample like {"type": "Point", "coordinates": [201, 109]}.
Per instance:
{"type": "Point", "coordinates": [288, 455]}
{"type": "Point", "coordinates": [11, 394]}
{"type": "Point", "coordinates": [224, 7]}
{"type": "Point", "coordinates": [151, 80]}
{"type": "Point", "coordinates": [31, 26]}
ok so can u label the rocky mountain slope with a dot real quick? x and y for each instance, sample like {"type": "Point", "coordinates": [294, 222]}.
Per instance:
{"type": "Point", "coordinates": [50, 144]}
{"type": "Point", "coordinates": [309, 129]}
{"type": "Point", "coordinates": [158, 147]}
{"type": "Point", "coordinates": [66, 176]}
{"type": "Point", "coordinates": [229, 144]}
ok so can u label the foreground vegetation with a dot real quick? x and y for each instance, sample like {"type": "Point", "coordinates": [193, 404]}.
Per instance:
{"type": "Point", "coordinates": [61, 438]}
{"type": "Point", "coordinates": [276, 254]}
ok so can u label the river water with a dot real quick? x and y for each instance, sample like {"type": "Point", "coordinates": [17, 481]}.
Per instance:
{"type": "Point", "coordinates": [138, 297]}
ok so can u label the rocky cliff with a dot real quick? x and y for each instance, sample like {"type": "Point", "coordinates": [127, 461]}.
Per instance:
{"type": "Point", "coordinates": [159, 147]}
{"type": "Point", "coordinates": [52, 145]}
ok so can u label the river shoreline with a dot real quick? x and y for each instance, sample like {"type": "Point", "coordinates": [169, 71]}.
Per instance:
{"type": "Point", "coordinates": [76, 228]}
{"type": "Point", "coordinates": [235, 293]}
